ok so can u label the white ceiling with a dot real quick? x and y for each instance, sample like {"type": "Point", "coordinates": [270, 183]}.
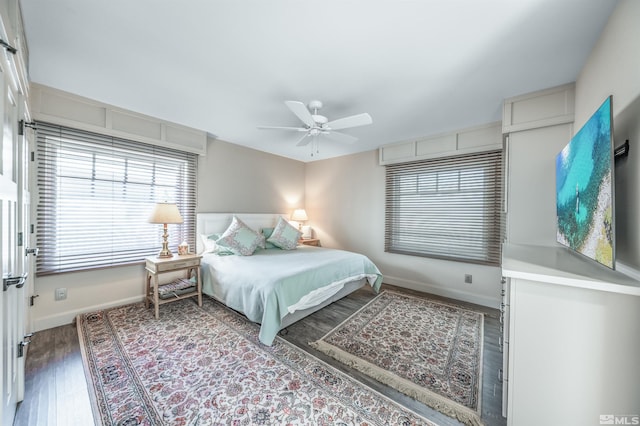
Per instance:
{"type": "Point", "coordinates": [418, 67]}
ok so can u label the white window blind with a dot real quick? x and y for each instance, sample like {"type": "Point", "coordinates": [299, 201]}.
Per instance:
{"type": "Point", "coordinates": [95, 194]}
{"type": "Point", "coordinates": [446, 208]}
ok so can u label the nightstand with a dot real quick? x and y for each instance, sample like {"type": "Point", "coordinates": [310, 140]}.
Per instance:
{"type": "Point", "coordinates": [310, 242]}
{"type": "Point", "coordinates": [155, 266]}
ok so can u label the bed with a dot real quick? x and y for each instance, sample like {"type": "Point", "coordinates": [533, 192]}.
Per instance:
{"type": "Point", "coordinates": [275, 287]}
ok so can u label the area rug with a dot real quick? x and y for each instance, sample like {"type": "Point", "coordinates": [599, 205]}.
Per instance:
{"type": "Point", "coordinates": [429, 350]}
{"type": "Point", "coordinates": [206, 366]}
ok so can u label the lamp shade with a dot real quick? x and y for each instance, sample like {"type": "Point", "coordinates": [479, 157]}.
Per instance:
{"type": "Point", "coordinates": [165, 213]}
{"type": "Point", "coordinates": [299, 215]}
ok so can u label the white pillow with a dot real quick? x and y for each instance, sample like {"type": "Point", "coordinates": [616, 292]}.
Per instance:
{"type": "Point", "coordinates": [284, 235]}
{"type": "Point", "coordinates": [209, 242]}
{"type": "Point", "coordinates": [211, 245]}
{"type": "Point", "coordinates": [241, 239]}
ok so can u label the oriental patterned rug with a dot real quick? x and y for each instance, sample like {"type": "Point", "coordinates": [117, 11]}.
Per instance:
{"type": "Point", "coordinates": [205, 366]}
{"type": "Point", "coordinates": [429, 350]}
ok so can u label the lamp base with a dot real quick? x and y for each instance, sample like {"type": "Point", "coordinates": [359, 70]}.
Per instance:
{"type": "Point", "coordinates": [165, 252]}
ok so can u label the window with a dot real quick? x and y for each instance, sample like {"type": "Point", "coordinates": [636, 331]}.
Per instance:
{"type": "Point", "coordinates": [446, 208]}
{"type": "Point", "coordinates": [95, 194]}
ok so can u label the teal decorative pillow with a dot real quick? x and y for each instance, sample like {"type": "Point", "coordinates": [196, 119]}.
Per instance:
{"type": "Point", "coordinates": [284, 235]}
{"type": "Point", "coordinates": [240, 239]}
{"type": "Point", "coordinates": [266, 232]}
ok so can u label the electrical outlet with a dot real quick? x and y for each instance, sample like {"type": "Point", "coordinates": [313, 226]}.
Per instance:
{"type": "Point", "coordinates": [468, 278]}
{"type": "Point", "coordinates": [61, 293]}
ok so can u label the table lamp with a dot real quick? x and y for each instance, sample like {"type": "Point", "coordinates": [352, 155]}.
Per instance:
{"type": "Point", "coordinates": [299, 215]}
{"type": "Point", "coordinates": [165, 213]}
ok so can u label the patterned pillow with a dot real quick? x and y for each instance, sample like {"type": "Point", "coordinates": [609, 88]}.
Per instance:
{"type": "Point", "coordinates": [240, 239]}
{"type": "Point", "coordinates": [284, 235]}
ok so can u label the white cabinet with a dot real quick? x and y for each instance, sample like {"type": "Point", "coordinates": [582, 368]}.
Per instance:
{"type": "Point", "coordinates": [574, 338]}
{"type": "Point", "coordinates": [505, 311]}
{"type": "Point", "coordinates": [537, 126]}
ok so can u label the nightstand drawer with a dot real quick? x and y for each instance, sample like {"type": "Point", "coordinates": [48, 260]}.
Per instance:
{"type": "Point", "coordinates": [178, 265]}
{"type": "Point", "coordinates": [171, 265]}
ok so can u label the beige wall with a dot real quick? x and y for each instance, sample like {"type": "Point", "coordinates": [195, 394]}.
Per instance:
{"type": "Point", "coordinates": [345, 204]}
{"type": "Point", "coordinates": [613, 68]}
{"type": "Point", "coordinates": [231, 178]}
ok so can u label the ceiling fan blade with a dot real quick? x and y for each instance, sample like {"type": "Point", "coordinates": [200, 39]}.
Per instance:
{"type": "Point", "coordinates": [301, 111]}
{"type": "Point", "coordinates": [299, 129]}
{"type": "Point", "coordinates": [351, 121]}
{"type": "Point", "coordinates": [341, 137]}
{"type": "Point", "coordinates": [304, 140]}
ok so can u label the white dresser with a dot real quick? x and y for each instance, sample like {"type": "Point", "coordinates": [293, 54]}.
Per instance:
{"type": "Point", "coordinates": [572, 338]}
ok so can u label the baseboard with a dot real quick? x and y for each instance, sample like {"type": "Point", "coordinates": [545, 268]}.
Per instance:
{"type": "Point", "coordinates": [67, 317]}
{"type": "Point", "coordinates": [491, 302]}
{"type": "Point", "coordinates": [628, 271]}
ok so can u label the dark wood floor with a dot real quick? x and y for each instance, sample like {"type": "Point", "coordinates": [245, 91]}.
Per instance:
{"type": "Point", "coordinates": [56, 392]}
{"type": "Point", "coordinates": [55, 385]}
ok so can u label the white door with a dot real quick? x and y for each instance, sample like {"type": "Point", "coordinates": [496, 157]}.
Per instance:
{"type": "Point", "coordinates": [25, 254]}
{"type": "Point", "coordinates": [13, 160]}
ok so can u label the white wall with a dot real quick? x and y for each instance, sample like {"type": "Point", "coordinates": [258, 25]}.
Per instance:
{"type": "Point", "coordinates": [86, 291]}
{"type": "Point", "coordinates": [538, 126]}
{"type": "Point", "coordinates": [345, 204]}
{"type": "Point", "coordinates": [613, 68]}
{"type": "Point", "coordinates": [531, 217]}
{"type": "Point", "coordinates": [627, 182]}
{"type": "Point", "coordinates": [230, 178]}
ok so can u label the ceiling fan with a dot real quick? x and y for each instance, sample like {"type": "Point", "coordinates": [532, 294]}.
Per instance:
{"type": "Point", "coordinates": [316, 125]}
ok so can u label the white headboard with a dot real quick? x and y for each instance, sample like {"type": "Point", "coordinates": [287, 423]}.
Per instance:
{"type": "Point", "coordinates": [210, 223]}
